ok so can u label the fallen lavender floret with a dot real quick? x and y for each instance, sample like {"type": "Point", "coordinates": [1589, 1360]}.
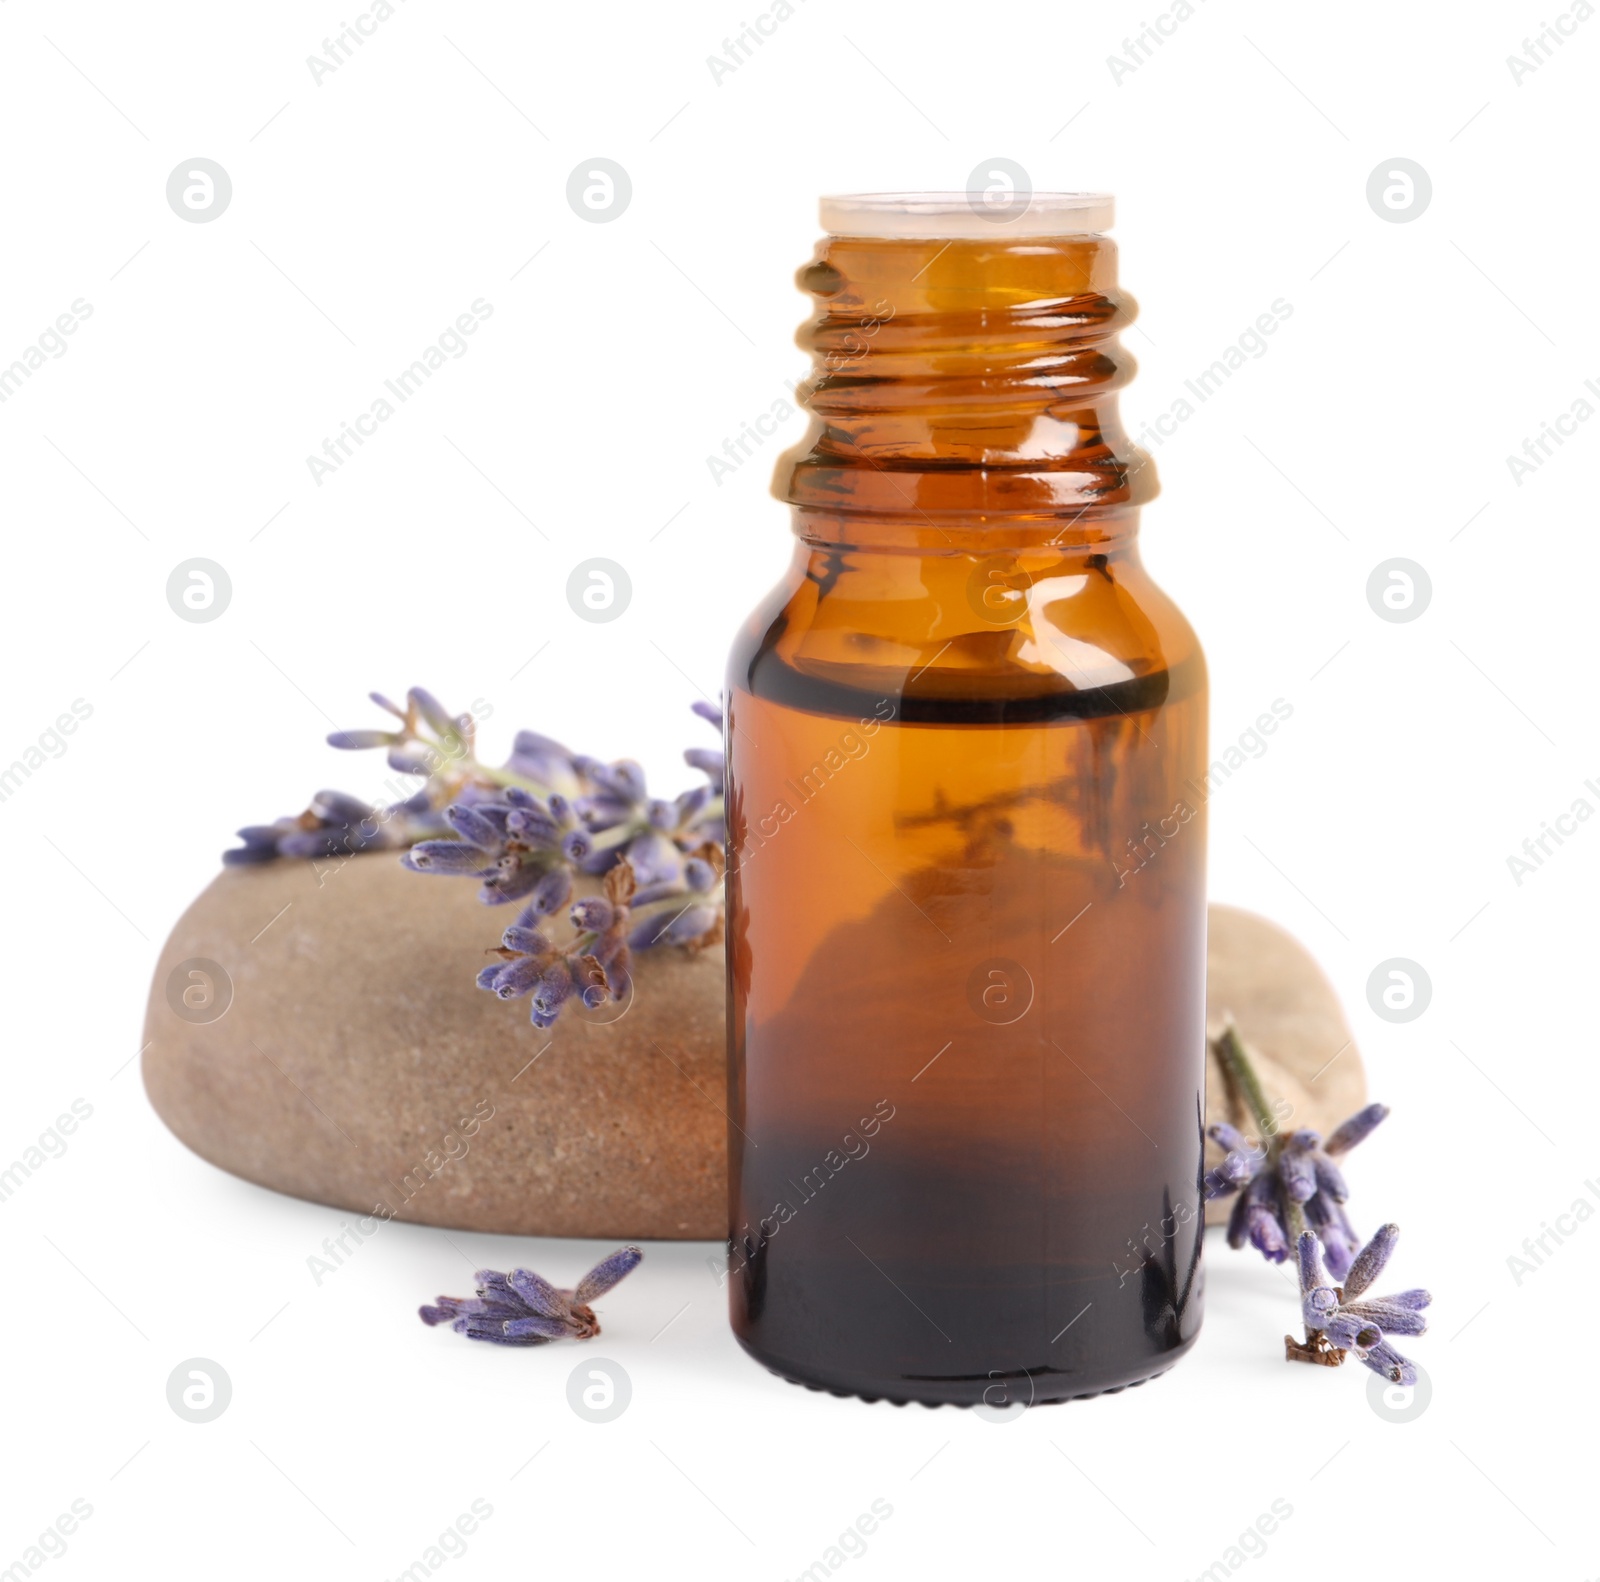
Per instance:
{"type": "Point", "coordinates": [522, 1309]}
{"type": "Point", "coordinates": [1352, 1321]}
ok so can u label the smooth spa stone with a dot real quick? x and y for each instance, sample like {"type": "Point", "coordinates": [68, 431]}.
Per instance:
{"type": "Point", "coordinates": [342, 1054]}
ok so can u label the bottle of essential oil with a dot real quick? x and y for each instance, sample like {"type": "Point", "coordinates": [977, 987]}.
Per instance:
{"type": "Point", "coordinates": [966, 939]}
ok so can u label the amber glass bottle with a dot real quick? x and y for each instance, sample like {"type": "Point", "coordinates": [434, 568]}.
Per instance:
{"type": "Point", "coordinates": [966, 899]}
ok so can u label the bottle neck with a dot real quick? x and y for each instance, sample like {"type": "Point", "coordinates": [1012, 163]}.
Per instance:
{"type": "Point", "coordinates": [964, 397]}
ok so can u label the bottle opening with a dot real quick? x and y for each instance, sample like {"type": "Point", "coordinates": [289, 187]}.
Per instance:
{"type": "Point", "coordinates": [1002, 210]}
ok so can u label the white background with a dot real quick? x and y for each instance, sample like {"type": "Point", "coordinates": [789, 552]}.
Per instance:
{"type": "Point", "coordinates": [371, 209]}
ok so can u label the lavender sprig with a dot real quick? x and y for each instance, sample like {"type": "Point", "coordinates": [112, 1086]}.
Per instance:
{"type": "Point", "coordinates": [526, 831]}
{"type": "Point", "coordinates": [1291, 1194]}
{"type": "Point", "coordinates": [522, 1309]}
{"type": "Point", "coordinates": [1349, 1320]}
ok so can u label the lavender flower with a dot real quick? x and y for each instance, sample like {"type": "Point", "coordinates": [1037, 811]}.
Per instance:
{"type": "Point", "coordinates": [525, 831]}
{"type": "Point", "coordinates": [1300, 1170]}
{"type": "Point", "coordinates": [521, 1309]}
{"type": "Point", "coordinates": [336, 825]}
{"type": "Point", "coordinates": [1353, 1321]}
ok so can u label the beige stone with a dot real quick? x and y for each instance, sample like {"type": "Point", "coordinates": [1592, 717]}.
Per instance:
{"type": "Point", "coordinates": [354, 1063]}
{"type": "Point", "coordinates": [1291, 1021]}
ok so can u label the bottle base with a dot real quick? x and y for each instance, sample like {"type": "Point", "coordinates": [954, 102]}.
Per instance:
{"type": "Point", "coordinates": [1042, 1387]}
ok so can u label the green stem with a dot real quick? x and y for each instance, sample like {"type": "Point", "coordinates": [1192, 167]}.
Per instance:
{"type": "Point", "coordinates": [1242, 1076]}
{"type": "Point", "coordinates": [1236, 1063]}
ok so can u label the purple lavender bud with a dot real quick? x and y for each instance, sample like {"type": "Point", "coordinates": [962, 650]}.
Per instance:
{"type": "Point", "coordinates": [1369, 1262]}
{"type": "Point", "coordinates": [1235, 1169]}
{"type": "Point", "coordinates": [606, 1274]}
{"type": "Point", "coordinates": [518, 977]}
{"type": "Point", "coordinates": [623, 779]}
{"type": "Point", "coordinates": [446, 856]}
{"type": "Point", "coordinates": [661, 890]}
{"type": "Point", "coordinates": [237, 855]}
{"type": "Point", "coordinates": [545, 1328]}
{"type": "Point", "coordinates": [527, 941]}
{"type": "Point", "coordinates": [1229, 1138]}
{"type": "Point", "coordinates": [654, 858]}
{"type": "Point", "coordinates": [542, 1019]}
{"type": "Point", "coordinates": [560, 808]}
{"type": "Point", "coordinates": [487, 975]}
{"type": "Point", "coordinates": [554, 989]}
{"type": "Point", "coordinates": [431, 709]}
{"type": "Point", "coordinates": [416, 760]}
{"type": "Point", "coordinates": [493, 1330]}
{"type": "Point", "coordinates": [1296, 1172]}
{"type": "Point", "coordinates": [1391, 1317]}
{"type": "Point", "coordinates": [1385, 1360]}
{"type": "Point", "coordinates": [1266, 1233]}
{"type": "Point", "coordinates": [1318, 1307]}
{"type": "Point", "coordinates": [383, 703]}
{"type": "Point", "coordinates": [1309, 1258]}
{"type": "Point", "coordinates": [576, 846]}
{"type": "Point", "coordinates": [533, 824]}
{"type": "Point", "coordinates": [1330, 1178]}
{"type": "Point", "coordinates": [593, 914]}
{"type": "Point", "coordinates": [662, 815]}
{"type": "Point", "coordinates": [1238, 1227]}
{"type": "Point", "coordinates": [708, 762]}
{"type": "Point", "coordinates": [552, 892]}
{"type": "Point", "coordinates": [444, 1313]}
{"type": "Point", "coordinates": [355, 741]}
{"type": "Point", "coordinates": [708, 711]}
{"type": "Point", "coordinates": [308, 843]}
{"type": "Point", "coordinates": [1355, 1130]}
{"type": "Point", "coordinates": [1416, 1300]}
{"type": "Point", "coordinates": [699, 875]}
{"type": "Point", "coordinates": [691, 803]}
{"type": "Point", "coordinates": [260, 834]}
{"type": "Point", "coordinates": [530, 744]}
{"type": "Point", "coordinates": [489, 1307]}
{"type": "Point", "coordinates": [1349, 1332]}
{"type": "Point", "coordinates": [471, 824]}
{"type": "Point", "coordinates": [688, 925]}
{"type": "Point", "coordinates": [594, 996]}
{"type": "Point", "coordinates": [538, 1293]}
{"type": "Point", "coordinates": [1338, 1249]}
{"type": "Point", "coordinates": [339, 808]}
{"type": "Point", "coordinates": [511, 880]}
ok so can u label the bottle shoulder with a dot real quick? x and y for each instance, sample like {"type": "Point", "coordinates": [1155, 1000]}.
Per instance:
{"type": "Point", "coordinates": [1023, 629]}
